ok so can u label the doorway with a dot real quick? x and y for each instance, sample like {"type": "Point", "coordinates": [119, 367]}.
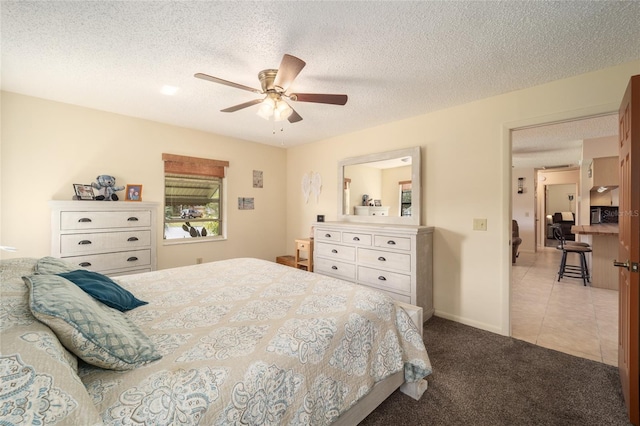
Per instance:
{"type": "Point", "coordinates": [557, 172]}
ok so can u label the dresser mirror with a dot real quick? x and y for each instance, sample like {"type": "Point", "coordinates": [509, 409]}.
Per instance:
{"type": "Point", "coordinates": [380, 188]}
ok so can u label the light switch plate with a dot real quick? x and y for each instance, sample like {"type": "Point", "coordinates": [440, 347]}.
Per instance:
{"type": "Point", "coordinates": [479, 224]}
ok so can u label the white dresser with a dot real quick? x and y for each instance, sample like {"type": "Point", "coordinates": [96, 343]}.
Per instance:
{"type": "Point", "coordinates": [395, 259]}
{"type": "Point", "coordinates": [110, 237]}
{"type": "Point", "coordinates": [371, 210]}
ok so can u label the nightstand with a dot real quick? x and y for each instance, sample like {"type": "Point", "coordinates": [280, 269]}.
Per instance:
{"type": "Point", "coordinates": [304, 260]}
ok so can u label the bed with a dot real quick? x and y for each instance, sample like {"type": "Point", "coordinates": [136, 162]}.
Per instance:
{"type": "Point", "coordinates": [240, 341]}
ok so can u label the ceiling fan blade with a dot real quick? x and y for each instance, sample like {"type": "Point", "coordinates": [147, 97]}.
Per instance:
{"type": "Point", "coordinates": [241, 106]}
{"type": "Point", "coordinates": [289, 69]}
{"type": "Point", "coordinates": [320, 98]}
{"type": "Point", "coordinates": [225, 82]}
{"type": "Point", "coordinates": [294, 117]}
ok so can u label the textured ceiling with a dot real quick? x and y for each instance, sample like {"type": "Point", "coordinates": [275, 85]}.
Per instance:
{"type": "Point", "coordinates": [558, 144]}
{"type": "Point", "coordinates": [394, 59]}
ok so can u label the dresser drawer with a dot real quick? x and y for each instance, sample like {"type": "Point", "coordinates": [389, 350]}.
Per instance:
{"type": "Point", "coordinates": [335, 251]}
{"type": "Point", "coordinates": [346, 271]}
{"type": "Point", "coordinates": [358, 239]}
{"type": "Point", "coordinates": [385, 259]}
{"type": "Point", "coordinates": [387, 241]}
{"type": "Point", "coordinates": [75, 220]}
{"type": "Point", "coordinates": [71, 244]}
{"type": "Point", "coordinates": [384, 279]}
{"type": "Point", "coordinates": [328, 235]}
{"type": "Point", "coordinates": [108, 261]}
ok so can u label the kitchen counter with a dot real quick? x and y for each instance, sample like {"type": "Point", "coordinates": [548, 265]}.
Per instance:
{"type": "Point", "coordinates": [601, 229]}
{"type": "Point", "coordinates": [604, 246]}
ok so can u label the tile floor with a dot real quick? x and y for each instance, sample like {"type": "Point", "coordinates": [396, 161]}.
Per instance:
{"type": "Point", "coordinates": [565, 316]}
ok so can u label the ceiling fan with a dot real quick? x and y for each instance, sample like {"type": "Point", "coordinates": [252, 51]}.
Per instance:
{"type": "Point", "coordinates": [274, 85]}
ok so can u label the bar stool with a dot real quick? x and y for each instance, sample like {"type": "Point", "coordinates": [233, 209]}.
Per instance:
{"type": "Point", "coordinates": [572, 271]}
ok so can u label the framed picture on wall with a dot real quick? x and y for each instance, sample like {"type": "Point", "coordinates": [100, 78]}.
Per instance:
{"type": "Point", "coordinates": [133, 192]}
{"type": "Point", "coordinates": [83, 192]}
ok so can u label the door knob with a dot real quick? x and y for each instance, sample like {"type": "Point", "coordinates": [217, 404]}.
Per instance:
{"type": "Point", "coordinates": [621, 264]}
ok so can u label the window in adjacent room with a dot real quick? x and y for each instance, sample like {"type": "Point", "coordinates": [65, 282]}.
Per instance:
{"type": "Point", "coordinates": [194, 190]}
{"type": "Point", "coordinates": [405, 198]}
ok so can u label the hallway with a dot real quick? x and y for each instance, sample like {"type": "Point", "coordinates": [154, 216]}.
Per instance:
{"type": "Point", "coordinates": [565, 316]}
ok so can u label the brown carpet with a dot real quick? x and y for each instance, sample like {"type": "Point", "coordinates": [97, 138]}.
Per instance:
{"type": "Point", "coordinates": [481, 378]}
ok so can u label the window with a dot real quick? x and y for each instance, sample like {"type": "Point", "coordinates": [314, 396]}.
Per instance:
{"type": "Point", "coordinates": [194, 197]}
{"type": "Point", "coordinates": [405, 198]}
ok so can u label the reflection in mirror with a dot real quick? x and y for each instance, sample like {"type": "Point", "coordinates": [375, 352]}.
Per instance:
{"type": "Point", "coordinates": [381, 188]}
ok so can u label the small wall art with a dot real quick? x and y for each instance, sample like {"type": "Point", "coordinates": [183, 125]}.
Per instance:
{"type": "Point", "coordinates": [258, 179]}
{"type": "Point", "coordinates": [133, 192]}
{"type": "Point", "coordinates": [311, 184]}
{"type": "Point", "coordinates": [245, 203]}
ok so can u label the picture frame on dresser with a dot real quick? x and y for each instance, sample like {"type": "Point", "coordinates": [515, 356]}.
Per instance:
{"type": "Point", "coordinates": [83, 192]}
{"type": "Point", "coordinates": [133, 192]}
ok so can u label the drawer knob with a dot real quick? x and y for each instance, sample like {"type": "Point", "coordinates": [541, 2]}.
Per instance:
{"type": "Point", "coordinates": [132, 259]}
{"type": "Point", "coordinates": [132, 239]}
{"type": "Point", "coordinates": [391, 243]}
{"type": "Point", "coordinates": [133, 219]}
{"type": "Point", "coordinates": [334, 251]}
{"type": "Point", "coordinates": [84, 242]}
{"type": "Point", "coordinates": [84, 219]}
{"type": "Point", "coordinates": [85, 264]}
{"type": "Point", "coordinates": [381, 278]}
{"type": "Point", "coordinates": [327, 235]}
{"type": "Point", "coordinates": [356, 239]}
{"type": "Point", "coordinates": [382, 259]}
{"type": "Point", "coordinates": [334, 267]}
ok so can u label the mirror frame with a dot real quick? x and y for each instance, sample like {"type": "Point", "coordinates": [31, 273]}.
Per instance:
{"type": "Point", "coordinates": [416, 190]}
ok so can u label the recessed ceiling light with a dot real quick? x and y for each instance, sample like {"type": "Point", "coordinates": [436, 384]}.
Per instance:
{"type": "Point", "coordinates": [168, 90]}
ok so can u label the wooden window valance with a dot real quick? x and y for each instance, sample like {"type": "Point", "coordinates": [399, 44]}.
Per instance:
{"type": "Point", "coordinates": [180, 164]}
{"type": "Point", "coordinates": [405, 185]}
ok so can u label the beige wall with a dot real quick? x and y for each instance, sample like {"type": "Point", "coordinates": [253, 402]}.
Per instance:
{"type": "Point", "coordinates": [466, 174]}
{"type": "Point", "coordinates": [523, 207]}
{"type": "Point", "coordinates": [48, 146]}
{"type": "Point", "coordinates": [391, 187]}
{"type": "Point", "coordinates": [364, 180]}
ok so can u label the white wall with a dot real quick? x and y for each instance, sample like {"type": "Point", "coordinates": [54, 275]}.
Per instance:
{"type": "Point", "coordinates": [48, 146]}
{"type": "Point", "coordinates": [523, 207]}
{"type": "Point", "coordinates": [466, 174]}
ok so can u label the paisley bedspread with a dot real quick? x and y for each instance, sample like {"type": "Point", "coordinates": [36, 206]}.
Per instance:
{"type": "Point", "coordinates": [246, 341]}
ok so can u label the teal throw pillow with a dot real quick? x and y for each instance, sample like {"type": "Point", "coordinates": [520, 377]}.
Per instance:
{"type": "Point", "coordinates": [104, 289]}
{"type": "Point", "coordinates": [96, 333]}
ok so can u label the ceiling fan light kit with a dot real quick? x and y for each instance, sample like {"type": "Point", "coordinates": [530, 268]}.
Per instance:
{"type": "Point", "coordinates": [274, 84]}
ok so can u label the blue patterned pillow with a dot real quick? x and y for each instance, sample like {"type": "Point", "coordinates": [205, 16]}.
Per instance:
{"type": "Point", "coordinates": [103, 289]}
{"type": "Point", "coordinates": [99, 335]}
{"type": "Point", "coordinates": [53, 265]}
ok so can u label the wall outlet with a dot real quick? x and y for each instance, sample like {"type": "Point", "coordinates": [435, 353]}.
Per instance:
{"type": "Point", "coordinates": [479, 224]}
{"type": "Point", "coordinates": [198, 260]}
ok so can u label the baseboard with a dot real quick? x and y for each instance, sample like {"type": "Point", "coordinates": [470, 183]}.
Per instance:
{"type": "Point", "coordinates": [466, 321]}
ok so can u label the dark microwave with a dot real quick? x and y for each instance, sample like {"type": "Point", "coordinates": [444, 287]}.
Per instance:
{"type": "Point", "coordinates": [604, 215]}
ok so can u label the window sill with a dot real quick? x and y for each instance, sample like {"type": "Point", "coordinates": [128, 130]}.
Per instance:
{"type": "Point", "coordinates": [192, 240]}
